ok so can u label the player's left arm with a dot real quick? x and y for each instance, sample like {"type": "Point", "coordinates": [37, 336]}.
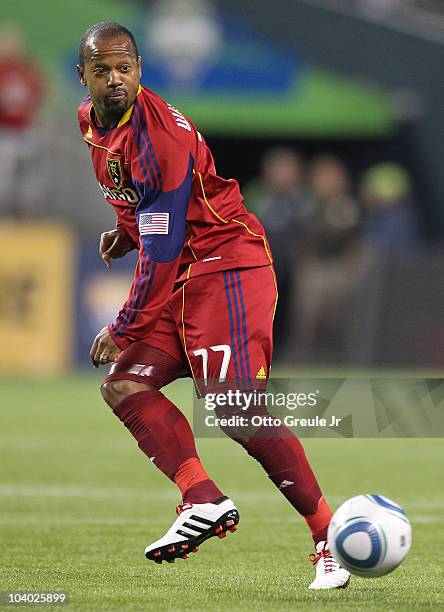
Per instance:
{"type": "Point", "coordinates": [161, 218]}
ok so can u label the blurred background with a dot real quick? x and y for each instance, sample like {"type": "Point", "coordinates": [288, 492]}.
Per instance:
{"type": "Point", "coordinates": [328, 112]}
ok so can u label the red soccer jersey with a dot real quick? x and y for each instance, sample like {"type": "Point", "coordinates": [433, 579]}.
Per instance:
{"type": "Point", "coordinates": [157, 172]}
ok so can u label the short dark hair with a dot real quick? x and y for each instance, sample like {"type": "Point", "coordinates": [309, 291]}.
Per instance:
{"type": "Point", "coordinates": [104, 29]}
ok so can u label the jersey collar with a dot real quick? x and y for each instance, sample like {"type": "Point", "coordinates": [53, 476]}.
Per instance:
{"type": "Point", "coordinates": [127, 116]}
{"type": "Point", "coordinates": [124, 119]}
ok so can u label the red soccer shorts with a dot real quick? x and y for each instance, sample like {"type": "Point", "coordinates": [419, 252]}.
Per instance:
{"type": "Point", "coordinates": [219, 326]}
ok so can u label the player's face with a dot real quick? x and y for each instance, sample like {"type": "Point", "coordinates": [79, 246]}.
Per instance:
{"type": "Point", "coordinates": [112, 74]}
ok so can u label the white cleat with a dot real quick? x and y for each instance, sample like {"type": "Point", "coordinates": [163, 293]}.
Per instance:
{"type": "Point", "coordinates": [195, 524]}
{"type": "Point", "coordinates": [329, 574]}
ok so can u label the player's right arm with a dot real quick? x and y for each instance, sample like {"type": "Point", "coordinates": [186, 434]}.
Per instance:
{"type": "Point", "coordinates": [162, 171]}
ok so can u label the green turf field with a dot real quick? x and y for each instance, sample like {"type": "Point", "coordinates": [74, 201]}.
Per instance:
{"type": "Point", "coordinates": [79, 502]}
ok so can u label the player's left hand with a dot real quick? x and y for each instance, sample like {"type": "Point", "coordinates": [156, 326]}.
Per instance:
{"type": "Point", "coordinates": [104, 349]}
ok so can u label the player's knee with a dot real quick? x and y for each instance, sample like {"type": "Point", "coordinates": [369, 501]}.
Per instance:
{"type": "Point", "coordinates": [115, 391]}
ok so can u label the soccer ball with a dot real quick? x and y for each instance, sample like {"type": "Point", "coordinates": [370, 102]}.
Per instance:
{"type": "Point", "coordinates": [370, 535]}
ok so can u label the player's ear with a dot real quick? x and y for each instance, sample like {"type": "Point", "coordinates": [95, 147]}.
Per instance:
{"type": "Point", "coordinates": [139, 66]}
{"type": "Point", "coordinates": [81, 74]}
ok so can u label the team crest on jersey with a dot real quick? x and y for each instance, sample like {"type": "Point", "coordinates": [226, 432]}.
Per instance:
{"type": "Point", "coordinates": [115, 172]}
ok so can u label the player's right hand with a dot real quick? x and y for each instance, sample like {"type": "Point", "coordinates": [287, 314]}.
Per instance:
{"type": "Point", "coordinates": [115, 244]}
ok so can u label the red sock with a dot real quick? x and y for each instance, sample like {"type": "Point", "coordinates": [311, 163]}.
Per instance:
{"type": "Point", "coordinates": [319, 521]}
{"type": "Point", "coordinates": [283, 458]}
{"type": "Point", "coordinates": [164, 435]}
{"type": "Point", "coordinates": [193, 481]}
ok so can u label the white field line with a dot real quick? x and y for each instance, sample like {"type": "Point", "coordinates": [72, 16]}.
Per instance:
{"type": "Point", "coordinates": [71, 520]}
{"type": "Point", "coordinates": [62, 443]}
{"type": "Point", "coordinates": [81, 491]}
{"type": "Point", "coordinates": [254, 495]}
{"type": "Point", "coordinates": [148, 522]}
{"type": "Point", "coordinates": [424, 519]}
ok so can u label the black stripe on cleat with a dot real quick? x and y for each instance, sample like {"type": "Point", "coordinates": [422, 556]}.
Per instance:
{"type": "Point", "coordinates": [201, 520]}
{"type": "Point", "coordinates": [181, 549]}
{"type": "Point", "coordinates": [195, 528]}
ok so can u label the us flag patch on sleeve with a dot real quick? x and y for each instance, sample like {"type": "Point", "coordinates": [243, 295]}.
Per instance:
{"type": "Point", "coordinates": [153, 223]}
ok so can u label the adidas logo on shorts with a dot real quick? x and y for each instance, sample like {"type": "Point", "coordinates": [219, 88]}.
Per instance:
{"type": "Point", "coordinates": [261, 375]}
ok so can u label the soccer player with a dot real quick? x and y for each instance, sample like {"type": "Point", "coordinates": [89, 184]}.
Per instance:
{"type": "Point", "coordinates": [201, 304]}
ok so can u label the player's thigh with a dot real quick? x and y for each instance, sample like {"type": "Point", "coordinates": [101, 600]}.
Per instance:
{"type": "Point", "coordinates": [156, 361]}
{"type": "Point", "coordinates": [226, 326]}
